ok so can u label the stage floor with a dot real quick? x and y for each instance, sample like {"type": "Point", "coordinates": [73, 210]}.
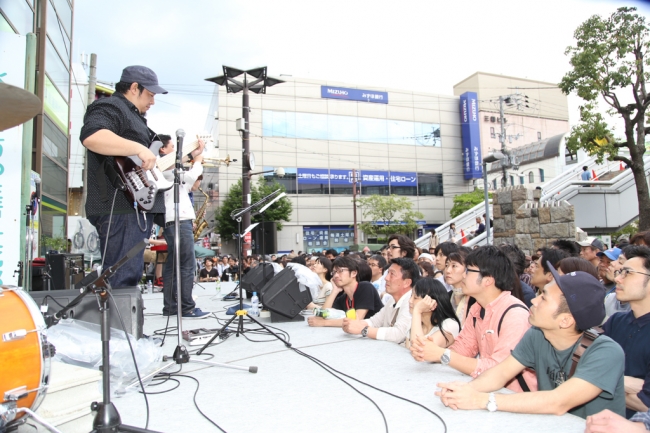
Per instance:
{"type": "Point", "coordinates": [290, 393]}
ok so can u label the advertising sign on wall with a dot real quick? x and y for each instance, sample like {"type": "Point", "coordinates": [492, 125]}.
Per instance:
{"type": "Point", "coordinates": [354, 94]}
{"type": "Point", "coordinates": [469, 128]}
{"type": "Point", "coordinates": [12, 71]}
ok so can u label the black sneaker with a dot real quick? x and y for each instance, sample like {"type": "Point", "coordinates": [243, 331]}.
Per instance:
{"type": "Point", "coordinates": [196, 314]}
{"type": "Point", "coordinates": [173, 313]}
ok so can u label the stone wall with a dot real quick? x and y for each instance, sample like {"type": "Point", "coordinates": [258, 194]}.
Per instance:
{"type": "Point", "coordinates": [520, 219]}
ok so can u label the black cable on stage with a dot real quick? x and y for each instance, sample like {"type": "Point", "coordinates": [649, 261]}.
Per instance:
{"type": "Point", "coordinates": [326, 367]}
{"type": "Point", "coordinates": [195, 403]}
{"type": "Point", "coordinates": [135, 363]}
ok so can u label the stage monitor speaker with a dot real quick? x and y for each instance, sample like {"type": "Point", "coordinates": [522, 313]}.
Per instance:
{"type": "Point", "coordinates": [256, 278]}
{"type": "Point", "coordinates": [265, 237]}
{"type": "Point", "coordinates": [65, 270]}
{"type": "Point", "coordinates": [128, 301]}
{"type": "Point", "coordinates": [284, 295]}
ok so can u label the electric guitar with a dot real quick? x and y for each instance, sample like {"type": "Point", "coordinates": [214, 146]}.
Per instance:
{"type": "Point", "coordinates": [141, 186]}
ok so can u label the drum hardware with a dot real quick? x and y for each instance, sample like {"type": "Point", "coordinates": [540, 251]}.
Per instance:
{"type": "Point", "coordinates": [18, 334]}
{"type": "Point", "coordinates": [23, 385]}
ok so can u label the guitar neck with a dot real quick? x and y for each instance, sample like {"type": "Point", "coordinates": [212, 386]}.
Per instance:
{"type": "Point", "coordinates": [169, 160]}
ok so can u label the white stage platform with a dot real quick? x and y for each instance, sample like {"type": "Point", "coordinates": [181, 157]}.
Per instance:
{"type": "Point", "coordinates": [293, 394]}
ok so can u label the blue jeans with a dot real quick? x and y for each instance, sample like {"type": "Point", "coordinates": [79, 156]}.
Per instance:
{"type": "Point", "coordinates": [123, 235]}
{"type": "Point", "coordinates": [187, 262]}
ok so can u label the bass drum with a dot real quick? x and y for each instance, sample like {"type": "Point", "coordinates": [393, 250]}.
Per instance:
{"type": "Point", "coordinates": [24, 368]}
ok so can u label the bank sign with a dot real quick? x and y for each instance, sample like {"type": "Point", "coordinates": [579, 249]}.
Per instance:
{"type": "Point", "coordinates": [354, 94]}
{"type": "Point", "coordinates": [469, 128]}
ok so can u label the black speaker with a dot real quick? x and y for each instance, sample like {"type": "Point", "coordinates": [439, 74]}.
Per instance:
{"type": "Point", "coordinates": [255, 279]}
{"type": "Point", "coordinates": [65, 270]}
{"type": "Point", "coordinates": [285, 296]}
{"type": "Point", "coordinates": [265, 237]}
{"type": "Point", "coordinates": [128, 301]}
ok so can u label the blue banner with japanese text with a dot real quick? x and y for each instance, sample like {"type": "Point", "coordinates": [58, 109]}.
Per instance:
{"type": "Point", "coordinates": [470, 132]}
{"type": "Point", "coordinates": [354, 94]}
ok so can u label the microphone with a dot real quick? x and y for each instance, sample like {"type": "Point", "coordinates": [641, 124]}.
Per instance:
{"type": "Point", "coordinates": [37, 181]}
{"type": "Point", "coordinates": [180, 133]}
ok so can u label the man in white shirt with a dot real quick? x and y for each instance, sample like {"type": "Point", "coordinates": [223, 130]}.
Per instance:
{"type": "Point", "coordinates": [186, 232]}
{"type": "Point", "coordinates": [393, 321]}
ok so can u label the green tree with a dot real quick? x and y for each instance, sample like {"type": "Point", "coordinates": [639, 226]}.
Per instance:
{"type": "Point", "coordinates": [278, 212]}
{"type": "Point", "coordinates": [394, 212]}
{"type": "Point", "coordinates": [610, 57]}
{"type": "Point", "coordinates": [464, 202]}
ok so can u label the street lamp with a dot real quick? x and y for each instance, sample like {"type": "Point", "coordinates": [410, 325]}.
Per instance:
{"type": "Point", "coordinates": [492, 157]}
{"type": "Point", "coordinates": [237, 80]}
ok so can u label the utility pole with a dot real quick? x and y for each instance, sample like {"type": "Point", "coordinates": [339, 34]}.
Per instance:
{"type": "Point", "coordinates": [245, 167]}
{"type": "Point", "coordinates": [354, 206]}
{"type": "Point", "coordinates": [502, 139]}
{"type": "Point", "coordinates": [257, 85]}
{"type": "Point", "coordinates": [92, 86]}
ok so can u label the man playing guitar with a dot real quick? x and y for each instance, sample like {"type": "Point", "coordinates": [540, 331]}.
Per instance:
{"type": "Point", "coordinates": [116, 126]}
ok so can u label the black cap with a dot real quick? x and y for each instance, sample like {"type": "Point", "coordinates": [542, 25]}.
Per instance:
{"type": "Point", "coordinates": [143, 76]}
{"type": "Point", "coordinates": [585, 296]}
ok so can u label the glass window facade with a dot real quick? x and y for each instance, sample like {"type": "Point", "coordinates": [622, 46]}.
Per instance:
{"type": "Point", "coordinates": [55, 180]}
{"type": "Point", "coordinates": [56, 33]}
{"type": "Point", "coordinates": [430, 184]}
{"type": "Point", "coordinates": [65, 14]}
{"type": "Point", "coordinates": [57, 71]}
{"type": "Point", "coordinates": [19, 14]}
{"type": "Point", "coordinates": [288, 180]}
{"type": "Point", "coordinates": [348, 128]}
{"type": "Point", "coordinates": [55, 144]}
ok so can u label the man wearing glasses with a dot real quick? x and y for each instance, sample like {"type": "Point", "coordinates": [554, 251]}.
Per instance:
{"type": "Point", "coordinates": [494, 325]}
{"type": "Point", "coordinates": [347, 294]}
{"type": "Point", "coordinates": [560, 315]}
{"type": "Point", "coordinates": [394, 320]}
{"type": "Point", "coordinates": [629, 328]}
{"type": "Point", "coordinates": [400, 246]}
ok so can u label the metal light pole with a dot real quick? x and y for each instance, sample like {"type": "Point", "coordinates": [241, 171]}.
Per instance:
{"type": "Point", "coordinates": [258, 85]}
{"type": "Point", "coordinates": [493, 157]}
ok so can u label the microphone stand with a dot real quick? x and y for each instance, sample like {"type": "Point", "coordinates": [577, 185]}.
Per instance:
{"type": "Point", "coordinates": [181, 355]}
{"type": "Point", "coordinates": [239, 314]}
{"type": "Point", "coordinates": [107, 418]}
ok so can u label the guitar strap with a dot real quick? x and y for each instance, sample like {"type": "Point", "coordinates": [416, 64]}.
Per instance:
{"type": "Point", "coordinates": [588, 337]}
{"type": "Point", "coordinates": [106, 169]}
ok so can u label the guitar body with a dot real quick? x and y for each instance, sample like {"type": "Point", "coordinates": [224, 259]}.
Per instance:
{"type": "Point", "coordinates": [141, 185]}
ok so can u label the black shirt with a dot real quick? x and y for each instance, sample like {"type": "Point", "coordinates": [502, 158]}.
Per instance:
{"type": "Point", "coordinates": [118, 115]}
{"type": "Point", "coordinates": [213, 273]}
{"type": "Point", "coordinates": [230, 273]}
{"type": "Point", "coordinates": [365, 298]}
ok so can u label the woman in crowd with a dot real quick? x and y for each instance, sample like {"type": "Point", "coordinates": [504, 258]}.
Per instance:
{"type": "Point", "coordinates": [452, 232]}
{"type": "Point", "coordinates": [426, 269]}
{"type": "Point", "coordinates": [432, 313]}
{"type": "Point", "coordinates": [454, 274]}
{"type": "Point", "coordinates": [323, 268]}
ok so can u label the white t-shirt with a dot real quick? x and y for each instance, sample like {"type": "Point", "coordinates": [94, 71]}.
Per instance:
{"type": "Point", "coordinates": [450, 326]}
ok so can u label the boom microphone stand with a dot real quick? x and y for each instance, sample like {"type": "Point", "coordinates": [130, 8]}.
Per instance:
{"type": "Point", "coordinates": [239, 314]}
{"type": "Point", "coordinates": [181, 355]}
{"type": "Point", "coordinates": [107, 419]}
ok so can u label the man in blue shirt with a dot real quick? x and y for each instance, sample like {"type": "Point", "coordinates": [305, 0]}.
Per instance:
{"type": "Point", "coordinates": [586, 174]}
{"type": "Point", "coordinates": [631, 329]}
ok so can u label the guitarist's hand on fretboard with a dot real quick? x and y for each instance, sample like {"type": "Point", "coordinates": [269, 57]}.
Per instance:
{"type": "Point", "coordinates": [148, 158]}
{"type": "Point", "coordinates": [198, 153]}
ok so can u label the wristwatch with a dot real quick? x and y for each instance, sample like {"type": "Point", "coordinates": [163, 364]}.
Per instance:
{"type": "Point", "coordinates": [364, 332]}
{"type": "Point", "coordinates": [446, 357]}
{"type": "Point", "coordinates": [492, 403]}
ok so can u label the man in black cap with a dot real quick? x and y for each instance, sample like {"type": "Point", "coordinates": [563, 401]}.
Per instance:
{"type": "Point", "coordinates": [116, 126]}
{"type": "Point", "coordinates": [560, 315]}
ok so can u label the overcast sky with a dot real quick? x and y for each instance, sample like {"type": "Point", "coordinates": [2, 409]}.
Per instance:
{"type": "Point", "coordinates": [426, 45]}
